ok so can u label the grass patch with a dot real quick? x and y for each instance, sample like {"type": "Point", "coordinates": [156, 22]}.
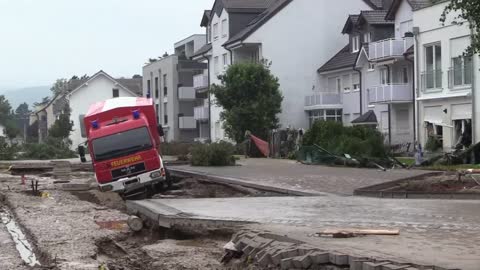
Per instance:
{"type": "Point", "coordinates": [406, 160]}
{"type": "Point", "coordinates": [452, 168]}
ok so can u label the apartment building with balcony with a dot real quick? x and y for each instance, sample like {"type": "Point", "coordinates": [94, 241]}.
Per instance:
{"type": "Point", "coordinates": [170, 83]}
{"type": "Point", "coordinates": [445, 77]}
{"type": "Point", "coordinates": [297, 37]}
{"type": "Point", "coordinates": [388, 68]}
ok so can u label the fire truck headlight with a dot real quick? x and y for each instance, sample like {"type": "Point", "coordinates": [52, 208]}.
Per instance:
{"type": "Point", "coordinates": [106, 188]}
{"type": "Point", "coordinates": [156, 174]}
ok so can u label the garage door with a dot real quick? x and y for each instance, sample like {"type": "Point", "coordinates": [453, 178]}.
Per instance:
{"type": "Point", "coordinates": [461, 111]}
{"type": "Point", "coordinates": [433, 114]}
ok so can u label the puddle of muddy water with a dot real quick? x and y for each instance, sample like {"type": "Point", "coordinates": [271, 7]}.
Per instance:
{"type": "Point", "coordinates": [21, 243]}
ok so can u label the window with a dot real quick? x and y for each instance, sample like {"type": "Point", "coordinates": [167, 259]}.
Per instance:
{"type": "Point", "coordinates": [149, 89]}
{"type": "Point", "coordinates": [371, 66]}
{"type": "Point", "coordinates": [165, 115]}
{"type": "Point", "coordinates": [156, 87]}
{"type": "Point", "coordinates": [461, 72]}
{"type": "Point", "coordinates": [209, 34]}
{"type": "Point", "coordinates": [215, 64]}
{"type": "Point", "coordinates": [367, 37]}
{"type": "Point", "coordinates": [384, 78]}
{"type": "Point", "coordinates": [356, 82]}
{"type": "Point", "coordinates": [215, 31]}
{"type": "Point", "coordinates": [339, 85]}
{"type": "Point", "coordinates": [346, 83]}
{"type": "Point", "coordinates": [406, 27]}
{"type": "Point", "coordinates": [83, 131]}
{"type": "Point", "coordinates": [325, 115]}
{"type": "Point", "coordinates": [402, 121]}
{"type": "Point", "coordinates": [165, 89]}
{"type": "Point", "coordinates": [115, 93]}
{"type": "Point", "coordinates": [225, 61]}
{"type": "Point", "coordinates": [355, 43]}
{"type": "Point", "coordinates": [122, 144]}
{"type": "Point", "coordinates": [405, 75]}
{"type": "Point", "coordinates": [433, 64]}
{"type": "Point", "coordinates": [224, 28]}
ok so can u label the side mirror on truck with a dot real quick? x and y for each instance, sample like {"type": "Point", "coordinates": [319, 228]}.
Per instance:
{"type": "Point", "coordinates": [160, 130]}
{"type": "Point", "coordinates": [81, 153]}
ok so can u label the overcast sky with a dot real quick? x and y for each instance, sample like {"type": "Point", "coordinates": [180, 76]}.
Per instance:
{"type": "Point", "coordinates": [42, 40]}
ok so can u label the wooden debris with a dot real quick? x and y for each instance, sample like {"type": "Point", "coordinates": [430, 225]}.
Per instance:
{"type": "Point", "coordinates": [347, 233]}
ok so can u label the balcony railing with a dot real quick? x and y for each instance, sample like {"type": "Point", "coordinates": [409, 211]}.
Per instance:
{"type": "Point", "coordinates": [187, 122]}
{"type": "Point", "coordinates": [431, 80]}
{"type": "Point", "coordinates": [391, 93]}
{"type": "Point", "coordinates": [458, 77]}
{"type": "Point", "coordinates": [323, 99]}
{"type": "Point", "coordinates": [201, 113]}
{"type": "Point", "coordinates": [389, 48]}
{"type": "Point", "coordinates": [186, 93]}
{"type": "Point", "coordinates": [200, 82]}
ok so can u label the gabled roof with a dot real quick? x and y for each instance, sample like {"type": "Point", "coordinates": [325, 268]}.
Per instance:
{"type": "Point", "coordinates": [130, 82]}
{"type": "Point", "coordinates": [374, 4]}
{"type": "Point", "coordinates": [415, 4]}
{"type": "Point", "coordinates": [367, 118]}
{"type": "Point", "coordinates": [351, 21]}
{"type": "Point", "coordinates": [205, 18]}
{"type": "Point", "coordinates": [203, 50]}
{"type": "Point", "coordinates": [274, 8]}
{"type": "Point", "coordinates": [374, 17]}
{"type": "Point", "coordinates": [343, 59]}
{"type": "Point", "coordinates": [240, 6]}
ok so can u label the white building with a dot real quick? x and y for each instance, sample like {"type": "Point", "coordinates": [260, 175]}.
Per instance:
{"type": "Point", "coordinates": [296, 36]}
{"type": "Point", "coordinates": [98, 87]}
{"type": "Point", "coordinates": [170, 81]}
{"type": "Point", "coordinates": [444, 76]}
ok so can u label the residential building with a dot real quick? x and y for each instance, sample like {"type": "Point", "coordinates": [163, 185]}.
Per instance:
{"type": "Point", "coordinates": [45, 114]}
{"type": "Point", "coordinates": [387, 64]}
{"type": "Point", "coordinates": [170, 82]}
{"type": "Point", "coordinates": [279, 31]}
{"type": "Point", "coordinates": [444, 76]}
{"type": "Point", "coordinates": [98, 87]}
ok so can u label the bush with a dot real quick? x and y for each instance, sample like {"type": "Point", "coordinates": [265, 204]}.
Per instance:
{"type": "Point", "coordinates": [358, 141]}
{"type": "Point", "coordinates": [433, 144]}
{"type": "Point", "coordinates": [215, 154]}
{"type": "Point", "coordinates": [7, 152]}
{"type": "Point", "coordinates": [53, 148]}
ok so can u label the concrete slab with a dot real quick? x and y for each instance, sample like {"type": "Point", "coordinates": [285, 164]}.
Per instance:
{"type": "Point", "coordinates": [290, 175]}
{"type": "Point", "coordinates": [432, 232]}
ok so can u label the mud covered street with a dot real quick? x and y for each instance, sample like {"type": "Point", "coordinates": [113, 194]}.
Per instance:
{"type": "Point", "coordinates": [86, 229]}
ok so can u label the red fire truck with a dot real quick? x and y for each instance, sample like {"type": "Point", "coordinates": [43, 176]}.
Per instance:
{"type": "Point", "coordinates": [123, 138]}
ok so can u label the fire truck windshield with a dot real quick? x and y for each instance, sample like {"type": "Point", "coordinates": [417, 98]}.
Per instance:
{"type": "Point", "coordinates": [121, 144]}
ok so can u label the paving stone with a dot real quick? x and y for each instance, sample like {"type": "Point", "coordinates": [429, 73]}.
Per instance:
{"type": "Point", "coordinates": [319, 257]}
{"type": "Point", "coordinates": [286, 263]}
{"type": "Point", "coordinates": [302, 262]}
{"type": "Point", "coordinates": [374, 265]}
{"type": "Point", "coordinates": [339, 259]}
{"type": "Point", "coordinates": [357, 264]}
{"type": "Point", "coordinates": [265, 260]}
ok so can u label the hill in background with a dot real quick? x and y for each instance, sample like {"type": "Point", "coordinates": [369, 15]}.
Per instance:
{"type": "Point", "coordinates": [29, 95]}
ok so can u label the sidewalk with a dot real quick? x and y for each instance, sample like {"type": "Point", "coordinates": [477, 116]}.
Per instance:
{"type": "Point", "coordinates": [432, 232]}
{"type": "Point", "coordinates": [291, 175]}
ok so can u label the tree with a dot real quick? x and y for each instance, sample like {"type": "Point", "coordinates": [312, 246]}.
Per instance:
{"type": "Point", "coordinates": [60, 86]}
{"type": "Point", "coordinates": [250, 98]}
{"type": "Point", "coordinates": [137, 76]}
{"type": "Point", "coordinates": [22, 110]}
{"type": "Point", "coordinates": [63, 126]}
{"type": "Point", "coordinates": [5, 109]}
{"type": "Point", "coordinates": [466, 11]}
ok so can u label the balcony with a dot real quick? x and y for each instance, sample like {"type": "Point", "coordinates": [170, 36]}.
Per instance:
{"type": "Point", "coordinates": [389, 48]}
{"type": "Point", "coordinates": [323, 100]}
{"type": "Point", "coordinates": [200, 82]}
{"type": "Point", "coordinates": [391, 93]}
{"type": "Point", "coordinates": [201, 113]}
{"type": "Point", "coordinates": [460, 78]}
{"type": "Point", "coordinates": [187, 122]}
{"type": "Point", "coordinates": [186, 93]}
